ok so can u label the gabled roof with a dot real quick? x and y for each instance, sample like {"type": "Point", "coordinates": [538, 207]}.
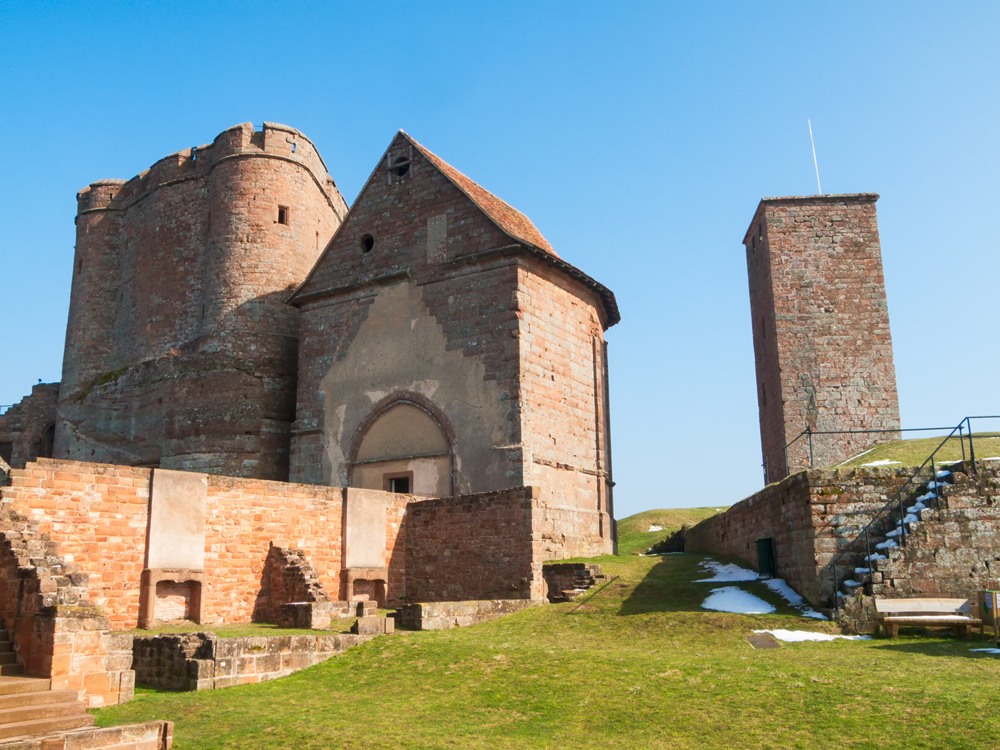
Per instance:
{"type": "Point", "coordinates": [505, 216]}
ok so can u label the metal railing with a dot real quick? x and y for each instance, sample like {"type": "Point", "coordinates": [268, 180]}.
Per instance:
{"type": "Point", "coordinates": [809, 433]}
{"type": "Point", "coordinates": [896, 503]}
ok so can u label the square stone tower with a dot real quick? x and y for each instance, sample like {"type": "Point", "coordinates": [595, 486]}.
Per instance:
{"type": "Point", "coordinates": [820, 330]}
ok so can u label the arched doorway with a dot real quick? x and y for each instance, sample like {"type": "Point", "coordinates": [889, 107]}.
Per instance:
{"type": "Point", "coordinates": [405, 445]}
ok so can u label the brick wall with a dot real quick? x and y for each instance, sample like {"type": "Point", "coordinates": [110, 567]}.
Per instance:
{"type": "Point", "coordinates": [243, 518]}
{"type": "Point", "coordinates": [820, 327]}
{"type": "Point", "coordinates": [180, 351]}
{"type": "Point", "coordinates": [472, 547]}
{"type": "Point", "coordinates": [98, 515]}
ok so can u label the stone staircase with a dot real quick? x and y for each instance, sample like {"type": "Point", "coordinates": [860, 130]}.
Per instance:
{"type": "Point", "coordinates": [567, 582]}
{"type": "Point", "coordinates": [28, 705]}
{"type": "Point", "coordinates": [860, 567]}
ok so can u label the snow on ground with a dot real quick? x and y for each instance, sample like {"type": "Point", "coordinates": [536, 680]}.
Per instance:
{"type": "Point", "coordinates": [883, 462]}
{"type": "Point", "coordinates": [654, 527]}
{"type": "Point", "coordinates": [797, 636]}
{"type": "Point", "coordinates": [986, 650]}
{"type": "Point", "coordinates": [992, 458]}
{"type": "Point", "coordinates": [786, 592]}
{"type": "Point", "coordinates": [886, 545]}
{"type": "Point", "coordinates": [735, 599]}
{"type": "Point", "coordinates": [726, 573]}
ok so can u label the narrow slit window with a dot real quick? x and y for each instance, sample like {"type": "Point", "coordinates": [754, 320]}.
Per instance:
{"type": "Point", "coordinates": [283, 215]}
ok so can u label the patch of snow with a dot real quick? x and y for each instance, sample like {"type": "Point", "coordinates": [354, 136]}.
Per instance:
{"type": "Point", "coordinates": [851, 582]}
{"type": "Point", "coordinates": [942, 474]}
{"type": "Point", "coordinates": [654, 527]}
{"type": "Point", "coordinates": [894, 532]}
{"type": "Point", "coordinates": [937, 617]}
{"type": "Point", "coordinates": [786, 592]}
{"type": "Point", "coordinates": [883, 462]}
{"type": "Point", "coordinates": [659, 554]}
{"type": "Point", "coordinates": [876, 556]}
{"type": "Point", "coordinates": [932, 484]}
{"type": "Point", "coordinates": [888, 544]}
{"type": "Point", "coordinates": [862, 571]}
{"type": "Point", "coordinates": [992, 458]}
{"type": "Point", "coordinates": [928, 496]}
{"type": "Point", "coordinates": [982, 650]}
{"type": "Point", "coordinates": [916, 508]}
{"type": "Point", "coordinates": [910, 518]}
{"type": "Point", "coordinates": [726, 573]}
{"type": "Point", "coordinates": [949, 463]}
{"type": "Point", "coordinates": [798, 636]}
{"type": "Point", "coordinates": [735, 599]}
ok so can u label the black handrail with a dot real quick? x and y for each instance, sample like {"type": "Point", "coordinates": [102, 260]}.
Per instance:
{"type": "Point", "coordinates": [897, 499]}
{"type": "Point", "coordinates": [809, 432]}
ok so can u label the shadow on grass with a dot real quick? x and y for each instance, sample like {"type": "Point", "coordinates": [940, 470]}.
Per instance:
{"type": "Point", "coordinates": [674, 585]}
{"type": "Point", "coordinates": [946, 646]}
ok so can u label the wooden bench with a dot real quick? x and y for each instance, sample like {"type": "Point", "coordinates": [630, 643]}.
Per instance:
{"type": "Point", "coordinates": [926, 613]}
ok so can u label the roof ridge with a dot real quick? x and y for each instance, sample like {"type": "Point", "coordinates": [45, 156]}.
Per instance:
{"type": "Point", "coordinates": [514, 223]}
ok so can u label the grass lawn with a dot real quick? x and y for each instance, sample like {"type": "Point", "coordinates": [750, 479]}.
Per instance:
{"type": "Point", "coordinates": [915, 452]}
{"type": "Point", "coordinates": [637, 665]}
{"type": "Point", "coordinates": [634, 534]}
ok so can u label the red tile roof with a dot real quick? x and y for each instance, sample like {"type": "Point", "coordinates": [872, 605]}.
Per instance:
{"type": "Point", "coordinates": [505, 216]}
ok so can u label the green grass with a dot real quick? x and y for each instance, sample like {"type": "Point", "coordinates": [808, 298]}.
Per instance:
{"type": "Point", "coordinates": [636, 665]}
{"type": "Point", "coordinates": [915, 452]}
{"type": "Point", "coordinates": [634, 534]}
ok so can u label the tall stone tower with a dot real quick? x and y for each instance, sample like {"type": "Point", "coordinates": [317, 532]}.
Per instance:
{"type": "Point", "coordinates": [180, 351]}
{"type": "Point", "coordinates": [820, 330]}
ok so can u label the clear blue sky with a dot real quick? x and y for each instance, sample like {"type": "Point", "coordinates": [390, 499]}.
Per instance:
{"type": "Point", "coordinates": [639, 138]}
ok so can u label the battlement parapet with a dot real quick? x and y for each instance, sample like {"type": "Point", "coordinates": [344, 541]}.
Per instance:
{"type": "Point", "coordinates": [273, 141]}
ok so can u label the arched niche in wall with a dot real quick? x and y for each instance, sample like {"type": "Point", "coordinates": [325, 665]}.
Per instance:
{"type": "Point", "coordinates": [404, 445]}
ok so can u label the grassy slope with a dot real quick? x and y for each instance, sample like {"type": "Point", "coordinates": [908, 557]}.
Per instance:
{"type": "Point", "coordinates": [915, 452]}
{"type": "Point", "coordinates": [634, 534]}
{"type": "Point", "coordinates": [639, 665]}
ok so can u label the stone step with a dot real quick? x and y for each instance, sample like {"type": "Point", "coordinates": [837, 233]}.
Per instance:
{"type": "Point", "coordinates": [8, 657]}
{"type": "Point", "coordinates": [39, 698]}
{"type": "Point", "coordinates": [6, 646]}
{"type": "Point", "coordinates": [31, 712]}
{"type": "Point", "coordinates": [44, 726]}
{"type": "Point", "coordinates": [11, 670]}
{"type": "Point", "coordinates": [20, 685]}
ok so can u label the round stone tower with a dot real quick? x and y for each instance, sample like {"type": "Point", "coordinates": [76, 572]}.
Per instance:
{"type": "Point", "coordinates": [180, 350]}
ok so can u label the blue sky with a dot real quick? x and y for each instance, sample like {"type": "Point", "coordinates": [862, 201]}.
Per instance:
{"type": "Point", "coordinates": [638, 137]}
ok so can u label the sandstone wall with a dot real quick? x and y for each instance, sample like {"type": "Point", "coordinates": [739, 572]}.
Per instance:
{"type": "Point", "coordinates": [810, 516]}
{"type": "Point", "coordinates": [472, 547]}
{"type": "Point", "coordinates": [821, 327]}
{"type": "Point", "coordinates": [26, 428]}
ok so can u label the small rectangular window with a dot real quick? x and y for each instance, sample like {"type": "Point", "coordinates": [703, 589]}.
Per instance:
{"type": "Point", "coordinates": [283, 215]}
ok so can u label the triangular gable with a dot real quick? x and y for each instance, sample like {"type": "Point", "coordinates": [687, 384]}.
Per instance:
{"type": "Point", "coordinates": [503, 216]}
{"type": "Point", "coordinates": [511, 221]}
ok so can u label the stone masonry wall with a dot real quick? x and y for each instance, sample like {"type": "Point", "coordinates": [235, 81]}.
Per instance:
{"type": "Point", "coordinates": [563, 395]}
{"type": "Point", "coordinates": [810, 516]}
{"type": "Point", "coordinates": [288, 577]}
{"type": "Point", "coordinates": [23, 426]}
{"type": "Point", "coordinates": [180, 351]}
{"type": "Point", "coordinates": [98, 516]}
{"type": "Point", "coordinates": [821, 328]}
{"type": "Point", "coordinates": [203, 661]}
{"type": "Point", "coordinates": [954, 551]}
{"type": "Point", "coordinates": [151, 735]}
{"type": "Point", "coordinates": [472, 547]}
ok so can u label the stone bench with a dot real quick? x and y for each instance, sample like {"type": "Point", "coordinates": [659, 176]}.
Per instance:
{"type": "Point", "coordinates": [926, 613]}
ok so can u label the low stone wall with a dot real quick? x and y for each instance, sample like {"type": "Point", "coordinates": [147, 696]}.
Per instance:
{"type": "Point", "coordinates": [472, 547]}
{"type": "Point", "coordinates": [810, 516]}
{"type": "Point", "coordinates": [203, 661]}
{"type": "Point", "coordinates": [153, 735]}
{"type": "Point", "coordinates": [446, 615]}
